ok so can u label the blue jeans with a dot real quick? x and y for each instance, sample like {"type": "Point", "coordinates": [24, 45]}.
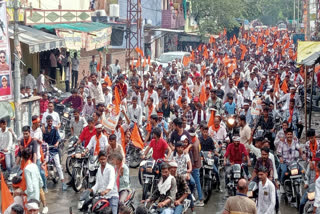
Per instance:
{"type": "Point", "coordinates": [9, 158]}
{"type": "Point", "coordinates": [282, 169]}
{"type": "Point", "coordinates": [196, 175]}
{"type": "Point", "coordinates": [191, 185]}
{"type": "Point", "coordinates": [303, 201]}
{"type": "Point", "coordinates": [42, 174]}
{"type": "Point", "coordinates": [178, 209]}
{"type": "Point", "coordinates": [114, 202]}
{"type": "Point", "coordinates": [166, 210]}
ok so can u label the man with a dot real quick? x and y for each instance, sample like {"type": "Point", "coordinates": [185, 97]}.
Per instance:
{"type": "Point", "coordinates": [53, 65]}
{"type": "Point", "coordinates": [247, 113]}
{"type": "Point", "coordinates": [7, 146]}
{"type": "Point", "coordinates": [267, 193]}
{"type": "Point", "coordinates": [122, 87]}
{"type": "Point", "coordinates": [66, 63]}
{"type": "Point", "coordinates": [31, 175]}
{"type": "Point", "coordinates": [87, 133]}
{"type": "Point", "coordinates": [312, 146]}
{"type": "Point", "coordinates": [106, 182]}
{"type": "Point", "coordinates": [151, 94]}
{"type": "Point", "coordinates": [75, 99]}
{"type": "Point", "coordinates": [309, 179]}
{"type": "Point", "coordinates": [287, 97]}
{"type": "Point", "coordinates": [289, 150]}
{"type": "Point", "coordinates": [52, 138]}
{"type": "Point", "coordinates": [27, 142]}
{"type": "Point", "coordinates": [55, 116]}
{"type": "Point", "coordinates": [240, 203]}
{"type": "Point", "coordinates": [77, 123]}
{"type": "Point", "coordinates": [3, 63]}
{"type": "Point", "coordinates": [264, 161]}
{"type": "Point", "coordinates": [281, 133]}
{"type": "Point", "coordinates": [247, 92]}
{"type": "Point", "coordinates": [178, 132]}
{"type": "Point", "coordinates": [95, 90]}
{"type": "Point", "coordinates": [88, 108]}
{"type": "Point", "coordinates": [30, 81]}
{"type": "Point", "coordinates": [185, 111]}
{"type": "Point", "coordinates": [165, 192]}
{"type": "Point", "coordinates": [98, 142]}
{"type": "Point", "coordinates": [159, 146]}
{"type": "Point", "coordinates": [167, 91]}
{"type": "Point", "coordinates": [93, 65]}
{"type": "Point", "coordinates": [316, 204]}
{"type": "Point", "coordinates": [41, 82]}
{"type": "Point", "coordinates": [32, 207]}
{"type": "Point", "coordinates": [115, 67]}
{"type": "Point", "coordinates": [215, 102]}
{"type": "Point", "coordinates": [115, 147]}
{"type": "Point", "coordinates": [292, 115]}
{"type": "Point", "coordinates": [135, 112]}
{"type": "Point", "coordinates": [245, 131]}
{"type": "Point", "coordinates": [182, 188]}
{"type": "Point", "coordinates": [75, 70]}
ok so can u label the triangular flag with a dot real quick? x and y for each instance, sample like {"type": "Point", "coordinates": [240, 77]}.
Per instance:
{"type": "Point", "coordinates": [138, 63]}
{"type": "Point", "coordinates": [136, 138]}
{"type": "Point", "coordinates": [224, 32]}
{"type": "Point", "coordinates": [6, 197]}
{"type": "Point", "coordinates": [276, 84]}
{"type": "Point", "coordinates": [139, 51]}
{"type": "Point", "coordinates": [117, 100]}
{"type": "Point", "coordinates": [132, 64]}
{"type": "Point", "coordinates": [211, 120]}
{"type": "Point", "coordinates": [192, 56]}
{"type": "Point", "coordinates": [284, 86]}
{"type": "Point", "coordinates": [202, 97]}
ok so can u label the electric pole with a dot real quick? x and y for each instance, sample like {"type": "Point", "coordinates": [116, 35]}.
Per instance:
{"type": "Point", "coordinates": [308, 19]}
{"type": "Point", "coordinates": [17, 76]}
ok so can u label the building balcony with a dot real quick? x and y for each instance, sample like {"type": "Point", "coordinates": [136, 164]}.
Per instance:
{"type": "Point", "coordinates": [172, 20]}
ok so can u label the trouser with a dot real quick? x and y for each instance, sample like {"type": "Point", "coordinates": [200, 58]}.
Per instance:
{"type": "Point", "coordinates": [42, 174]}
{"type": "Point", "coordinates": [167, 210]}
{"type": "Point", "coordinates": [123, 194]}
{"type": "Point", "coordinates": [282, 169]}
{"type": "Point", "coordinates": [178, 209]}
{"type": "Point", "coordinates": [114, 203]}
{"type": "Point", "coordinates": [303, 202]}
{"type": "Point", "coordinates": [9, 159]}
{"type": "Point", "coordinates": [56, 159]}
{"type": "Point", "coordinates": [196, 176]}
{"type": "Point", "coordinates": [215, 169]}
{"type": "Point", "coordinates": [74, 79]}
{"type": "Point", "coordinates": [191, 185]}
{"type": "Point", "coordinates": [43, 197]}
{"type": "Point", "coordinates": [67, 82]}
{"type": "Point", "coordinates": [53, 74]}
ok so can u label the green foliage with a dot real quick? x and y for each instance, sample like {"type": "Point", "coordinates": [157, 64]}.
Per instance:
{"type": "Point", "coordinates": [214, 15]}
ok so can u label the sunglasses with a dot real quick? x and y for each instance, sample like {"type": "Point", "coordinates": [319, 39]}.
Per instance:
{"type": "Point", "coordinates": [3, 57]}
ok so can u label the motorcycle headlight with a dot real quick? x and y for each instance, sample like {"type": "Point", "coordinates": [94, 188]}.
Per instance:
{"type": "Point", "coordinates": [66, 114]}
{"type": "Point", "coordinates": [231, 121]}
{"type": "Point", "coordinates": [250, 194]}
{"type": "Point", "coordinates": [78, 155]}
{"type": "Point", "coordinates": [236, 175]}
{"type": "Point", "coordinates": [210, 162]}
{"type": "Point", "coordinates": [294, 171]}
{"type": "Point", "coordinates": [311, 196]}
{"type": "Point", "coordinates": [80, 204]}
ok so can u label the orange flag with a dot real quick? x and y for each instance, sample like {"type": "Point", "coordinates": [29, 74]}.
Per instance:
{"type": "Point", "coordinates": [136, 138]}
{"type": "Point", "coordinates": [205, 53]}
{"type": "Point", "coordinates": [265, 49]}
{"type": "Point", "coordinates": [287, 45]}
{"type": "Point", "coordinates": [149, 60]}
{"type": "Point", "coordinates": [200, 47]}
{"type": "Point", "coordinates": [108, 81]}
{"type": "Point", "coordinates": [138, 63]}
{"type": "Point", "coordinates": [284, 86]}
{"type": "Point", "coordinates": [179, 102]}
{"type": "Point", "coordinates": [260, 43]}
{"type": "Point", "coordinates": [117, 100]}
{"type": "Point", "coordinates": [276, 84]}
{"type": "Point", "coordinates": [192, 56]}
{"type": "Point", "coordinates": [253, 40]}
{"type": "Point", "coordinates": [212, 40]}
{"type": "Point", "coordinates": [234, 38]}
{"type": "Point", "coordinates": [6, 197]}
{"type": "Point", "coordinates": [144, 62]}
{"type": "Point", "coordinates": [231, 42]}
{"type": "Point", "coordinates": [211, 120]}
{"type": "Point", "coordinates": [139, 51]}
{"type": "Point", "coordinates": [202, 97]}
{"type": "Point", "coordinates": [267, 33]}
{"type": "Point", "coordinates": [224, 32]}
{"type": "Point", "coordinates": [132, 64]}
{"type": "Point", "coordinates": [186, 61]}
{"type": "Point", "coordinates": [317, 69]}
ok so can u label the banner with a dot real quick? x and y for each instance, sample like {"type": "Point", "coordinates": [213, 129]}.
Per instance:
{"type": "Point", "coordinates": [5, 56]}
{"type": "Point", "coordinates": [98, 39]}
{"type": "Point", "coordinates": [74, 40]}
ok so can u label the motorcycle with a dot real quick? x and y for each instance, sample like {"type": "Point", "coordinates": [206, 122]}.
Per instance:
{"type": "Point", "coordinates": [293, 184]}
{"type": "Point", "coordinates": [129, 200]}
{"type": "Point", "coordinates": [308, 207]}
{"type": "Point", "coordinates": [234, 175]}
{"type": "Point", "coordinates": [133, 158]}
{"type": "Point", "coordinates": [208, 180]}
{"type": "Point", "coordinates": [80, 168]}
{"type": "Point", "coordinates": [93, 203]}
{"type": "Point", "coordinates": [153, 209]}
{"type": "Point", "coordinates": [253, 191]}
{"type": "Point", "coordinates": [150, 175]}
{"type": "Point", "coordinates": [221, 150]}
{"type": "Point", "coordinates": [93, 165]}
{"type": "Point", "coordinates": [52, 169]}
{"type": "Point", "coordinates": [65, 114]}
{"type": "Point", "coordinates": [72, 147]}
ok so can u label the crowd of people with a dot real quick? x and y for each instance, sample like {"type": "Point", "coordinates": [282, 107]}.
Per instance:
{"type": "Point", "coordinates": [182, 109]}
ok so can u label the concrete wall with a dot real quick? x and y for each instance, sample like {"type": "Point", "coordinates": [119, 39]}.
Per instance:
{"type": "Point", "coordinates": [65, 4]}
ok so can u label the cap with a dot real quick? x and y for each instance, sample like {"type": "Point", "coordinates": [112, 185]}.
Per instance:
{"type": "Point", "coordinates": [178, 144]}
{"type": "Point", "coordinates": [4, 77]}
{"type": "Point", "coordinates": [183, 138]}
{"type": "Point", "coordinates": [292, 88]}
{"type": "Point", "coordinates": [173, 164]}
{"type": "Point", "coordinates": [98, 126]}
{"type": "Point", "coordinates": [236, 138]}
{"type": "Point", "coordinates": [246, 104]}
{"type": "Point", "coordinates": [192, 132]}
{"type": "Point", "coordinates": [32, 205]}
{"type": "Point", "coordinates": [109, 88]}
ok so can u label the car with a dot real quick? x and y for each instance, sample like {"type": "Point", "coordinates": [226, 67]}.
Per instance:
{"type": "Point", "coordinates": [170, 56]}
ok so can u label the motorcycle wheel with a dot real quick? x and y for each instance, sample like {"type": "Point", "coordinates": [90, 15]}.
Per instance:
{"type": "Point", "coordinates": [298, 197]}
{"type": "Point", "coordinates": [77, 179]}
{"type": "Point", "coordinates": [69, 164]}
{"type": "Point", "coordinates": [140, 176]}
{"type": "Point", "coordinates": [145, 191]}
{"type": "Point", "coordinates": [135, 160]}
{"type": "Point", "coordinates": [308, 208]}
{"type": "Point", "coordinates": [207, 189]}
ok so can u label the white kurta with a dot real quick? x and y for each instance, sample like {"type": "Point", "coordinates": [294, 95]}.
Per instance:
{"type": "Point", "coordinates": [266, 198]}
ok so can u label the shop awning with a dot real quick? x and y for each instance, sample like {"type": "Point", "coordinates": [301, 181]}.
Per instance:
{"type": "Point", "coordinates": [79, 35]}
{"type": "Point", "coordinates": [36, 39]}
{"type": "Point", "coordinates": [308, 52]}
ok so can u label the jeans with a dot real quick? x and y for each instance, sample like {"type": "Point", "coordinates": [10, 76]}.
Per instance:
{"type": "Point", "coordinates": [114, 202]}
{"type": "Point", "coordinates": [191, 185]}
{"type": "Point", "coordinates": [10, 159]}
{"type": "Point", "coordinates": [215, 169]}
{"type": "Point", "coordinates": [67, 82]}
{"type": "Point", "coordinates": [56, 159]}
{"type": "Point", "coordinates": [303, 202]}
{"type": "Point", "coordinates": [282, 169]}
{"type": "Point", "coordinates": [166, 210]}
{"type": "Point", "coordinates": [178, 209]}
{"type": "Point", "coordinates": [196, 175]}
{"type": "Point", "coordinates": [74, 79]}
{"type": "Point", "coordinates": [42, 174]}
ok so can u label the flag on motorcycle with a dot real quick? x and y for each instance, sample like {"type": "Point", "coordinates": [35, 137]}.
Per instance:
{"type": "Point", "coordinates": [6, 197]}
{"type": "Point", "coordinates": [136, 138]}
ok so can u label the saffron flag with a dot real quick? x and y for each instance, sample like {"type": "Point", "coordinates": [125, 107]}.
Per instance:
{"type": "Point", "coordinates": [149, 60]}
{"type": "Point", "coordinates": [211, 120]}
{"type": "Point", "coordinates": [284, 86]}
{"type": "Point", "coordinates": [6, 197]}
{"type": "Point", "coordinates": [202, 97]}
{"type": "Point", "coordinates": [136, 138]}
{"type": "Point", "coordinates": [139, 51]}
{"type": "Point", "coordinates": [117, 100]}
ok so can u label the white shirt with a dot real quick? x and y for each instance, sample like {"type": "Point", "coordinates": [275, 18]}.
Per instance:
{"type": "Point", "coordinates": [220, 135]}
{"type": "Point", "coordinates": [6, 140]}
{"type": "Point", "coordinates": [106, 180]}
{"type": "Point", "coordinates": [96, 93]}
{"type": "Point", "coordinates": [40, 83]}
{"type": "Point", "coordinates": [317, 196]}
{"type": "Point", "coordinates": [135, 114]}
{"type": "Point", "coordinates": [107, 99]}
{"type": "Point", "coordinates": [37, 134]}
{"type": "Point", "coordinates": [55, 116]}
{"type": "Point", "coordinates": [118, 133]}
{"type": "Point", "coordinates": [75, 64]}
{"type": "Point", "coordinates": [248, 93]}
{"type": "Point", "coordinates": [103, 143]}
{"type": "Point", "coordinates": [266, 198]}
{"type": "Point", "coordinates": [154, 96]}
{"type": "Point", "coordinates": [30, 81]}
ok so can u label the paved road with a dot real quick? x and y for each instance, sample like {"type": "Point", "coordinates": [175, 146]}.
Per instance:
{"type": "Point", "coordinates": [59, 201]}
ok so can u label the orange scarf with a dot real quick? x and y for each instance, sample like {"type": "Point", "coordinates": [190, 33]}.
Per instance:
{"type": "Point", "coordinates": [208, 83]}
{"type": "Point", "coordinates": [215, 129]}
{"type": "Point", "coordinates": [237, 82]}
{"type": "Point", "coordinates": [123, 140]}
{"type": "Point", "coordinates": [23, 184]}
{"type": "Point", "coordinates": [27, 142]}
{"type": "Point", "coordinates": [97, 149]}
{"type": "Point", "coordinates": [261, 87]}
{"type": "Point", "coordinates": [291, 114]}
{"type": "Point", "coordinates": [179, 101]}
{"type": "Point", "coordinates": [313, 149]}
